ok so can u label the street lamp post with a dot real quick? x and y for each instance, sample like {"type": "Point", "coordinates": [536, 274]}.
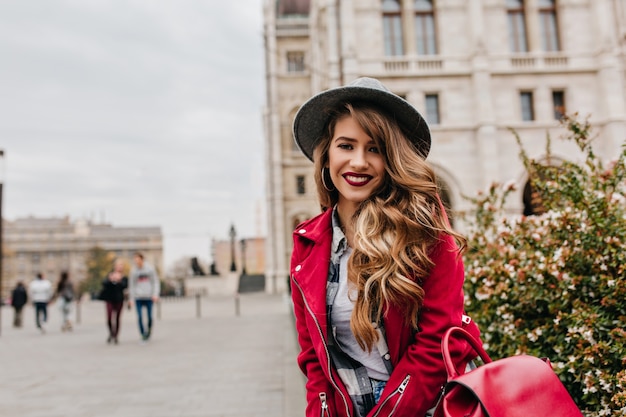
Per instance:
{"type": "Point", "coordinates": [1, 229]}
{"type": "Point", "coordinates": [243, 256]}
{"type": "Point", "coordinates": [233, 235]}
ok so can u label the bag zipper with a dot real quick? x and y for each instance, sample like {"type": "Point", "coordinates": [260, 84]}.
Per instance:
{"type": "Point", "coordinates": [400, 391]}
{"type": "Point", "coordinates": [319, 329]}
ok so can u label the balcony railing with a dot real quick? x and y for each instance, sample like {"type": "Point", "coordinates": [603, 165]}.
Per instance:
{"type": "Point", "coordinates": [505, 63]}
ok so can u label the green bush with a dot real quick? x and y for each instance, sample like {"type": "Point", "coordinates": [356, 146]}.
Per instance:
{"type": "Point", "coordinates": [554, 285]}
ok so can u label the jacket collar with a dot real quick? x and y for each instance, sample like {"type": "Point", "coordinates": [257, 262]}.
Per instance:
{"type": "Point", "coordinates": [312, 239]}
{"type": "Point", "coordinates": [316, 229]}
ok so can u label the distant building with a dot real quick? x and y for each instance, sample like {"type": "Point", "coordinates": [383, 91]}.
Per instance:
{"type": "Point", "coordinates": [52, 245]}
{"type": "Point", "coordinates": [254, 256]}
{"type": "Point", "coordinates": [473, 68]}
{"type": "Point", "coordinates": [221, 279]}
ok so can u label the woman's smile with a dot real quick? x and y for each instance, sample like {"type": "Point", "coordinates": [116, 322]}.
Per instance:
{"type": "Point", "coordinates": [356, 166]}
{"type": "Point", "coordinates": [356, 180]}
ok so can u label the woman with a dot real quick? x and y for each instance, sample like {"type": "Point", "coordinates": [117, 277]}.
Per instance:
{"type": "Point", "coordinates": [65, 295]}
{"type": "Point", "coordinates": [377, 277]}
{"type": "Point", "coordinates": [113, 288]}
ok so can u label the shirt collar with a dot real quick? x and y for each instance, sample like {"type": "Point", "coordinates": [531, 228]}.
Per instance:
{"type": "Point", "coordinates": [340, 243]}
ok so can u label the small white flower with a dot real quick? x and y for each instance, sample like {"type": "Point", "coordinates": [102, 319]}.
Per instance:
{"type": "Point", "coordinates": [509, 186]}
{"type": "Point", "coordinates": [617, 198]}
{"type": "Point", "coordinates": [481, 296]}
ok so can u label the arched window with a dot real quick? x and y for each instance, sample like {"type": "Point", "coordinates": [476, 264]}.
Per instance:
{"type": "Point", "coordinates": [549, 170]}
{"type": "Point", "coordinates": [444, 194]}
{"type": "Point", "coordinates": [425, 34]}
{"type": "Point", "coordinates": [548, 25]}
{"type": "Point", "coordinates": [533, 205]}
{"type": "Point", "coordinates": [392, 28]}
{"type": "Point", "coordinates": [296, 220]}
{"type": "Point", "coordinates": [517, 25]}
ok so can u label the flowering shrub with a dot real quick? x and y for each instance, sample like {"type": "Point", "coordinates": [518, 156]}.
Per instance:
{"type": "Point", "coordinates": [554, 285]}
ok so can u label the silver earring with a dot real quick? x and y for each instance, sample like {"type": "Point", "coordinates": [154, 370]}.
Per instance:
{"type": "Point", "coordinates": [324, 182]}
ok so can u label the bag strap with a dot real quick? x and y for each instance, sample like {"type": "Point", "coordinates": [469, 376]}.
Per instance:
{"type": "Point", "coordinates": [445, 350]}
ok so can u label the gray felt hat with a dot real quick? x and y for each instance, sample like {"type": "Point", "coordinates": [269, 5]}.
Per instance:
{"type": "Point", "coordinates": [311, 119]}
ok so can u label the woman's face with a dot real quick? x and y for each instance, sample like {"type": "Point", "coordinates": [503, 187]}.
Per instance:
{"type": "Point", "coordinates": [356, 166]}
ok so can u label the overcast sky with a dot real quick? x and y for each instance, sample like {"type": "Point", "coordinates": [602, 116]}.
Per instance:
{"type": "Point", "coordinates": [136, 112]}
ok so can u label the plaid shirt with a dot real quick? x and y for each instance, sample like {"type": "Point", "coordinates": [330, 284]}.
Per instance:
{"type": "Point", "coordinates": [352, 373]}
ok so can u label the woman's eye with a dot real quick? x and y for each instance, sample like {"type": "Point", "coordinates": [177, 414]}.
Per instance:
{"type": "Point", "coordinates": [374, 149]}
{"type": "Point", "coordinates": [344, 146]}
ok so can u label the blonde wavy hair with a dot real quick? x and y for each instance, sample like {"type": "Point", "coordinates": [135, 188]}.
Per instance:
{"type": "Point", "coordinates": [395, 229]}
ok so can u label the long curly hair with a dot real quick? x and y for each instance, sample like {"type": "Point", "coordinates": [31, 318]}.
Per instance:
{"type": "Point", "coordinates": [395, 229]}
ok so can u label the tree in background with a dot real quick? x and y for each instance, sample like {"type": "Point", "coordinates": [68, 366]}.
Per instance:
{"type": "Point", "coordinates": [554, 284]}
{"type": "Point", "coordinates": [99, 264]}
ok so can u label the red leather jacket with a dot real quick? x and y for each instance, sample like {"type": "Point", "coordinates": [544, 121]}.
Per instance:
{"type": "Point", "coordinates": [419, 372]}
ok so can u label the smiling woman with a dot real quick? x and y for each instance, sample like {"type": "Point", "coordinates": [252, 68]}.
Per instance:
{"type": "Point", "coordinates": [355, 164]}
{"type": "Point", "coordinates": [377, 278]}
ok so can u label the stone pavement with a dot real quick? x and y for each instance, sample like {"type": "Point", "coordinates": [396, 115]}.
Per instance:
{"type": "Point", "coordinates": [236, 360]}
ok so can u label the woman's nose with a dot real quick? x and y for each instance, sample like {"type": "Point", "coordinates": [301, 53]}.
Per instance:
{"type": "Point", "coordinates": [359, 160]}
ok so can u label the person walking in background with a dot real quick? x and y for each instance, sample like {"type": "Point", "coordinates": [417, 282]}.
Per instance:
{"type": "Point", "coordinates": [65, 295]}
{"type": "Point", "coordinates": [113, 292]}
{"type": "Point", "coordinates": [40, 290]}
{"type": "Point", "coordinates": [19, 298]}
{"type": "Point", "coordinates": [144, 289]}
{"type": "Point", "coordinates": [377, 277]}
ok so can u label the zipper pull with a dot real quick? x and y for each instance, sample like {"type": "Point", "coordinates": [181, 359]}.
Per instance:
{"type": "Point", "coordinates": [404, 383]}
{"type": "Point", "coordinates": [323, 400]}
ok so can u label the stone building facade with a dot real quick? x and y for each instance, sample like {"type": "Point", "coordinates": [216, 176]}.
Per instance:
{"type": "Point", "coordinates": [249, 253]}
{"type": "Point", "coordinates": [473, 68]}
{"type": "Point", "coordinates": [52, 245]}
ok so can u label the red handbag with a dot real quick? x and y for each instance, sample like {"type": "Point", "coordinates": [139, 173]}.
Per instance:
{"type": "Point", "coordinates": [518, 386]}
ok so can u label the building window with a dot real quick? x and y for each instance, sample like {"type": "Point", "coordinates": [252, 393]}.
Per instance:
{"type": "Point", "coordinates": [533, 203]}
{"type": "Point", "coordinates": [444, 194]}
{"type": "Point", "coordinates": [432, 108]}
{"type": "Point", "coordinates": [295, 61]}
{"type": "Point", "coordinates": [548, 26]}
{"type": "Point", "coordinates": [392, 28]}
{"type": "Point", "coordinates": [300, 185]}
{"type": "Point", "coordinates": [425, 27]}
{"type": "Point", "coordinates": [558, 104]}
{"type": "Point", "coordinates": [517, 25]}
{"type": "Point", "coordinates": [528, 110]}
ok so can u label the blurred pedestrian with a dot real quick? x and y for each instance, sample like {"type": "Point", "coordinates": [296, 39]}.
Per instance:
{"type": "Point", "coordinates": [144, 288]}
{"type": "Point", "coordinates": [65, 295]}
{"type": "Point", "coordinates": [40, 290]}
{"type": "Point", "coordinates": [19, 298]}
{"type": "Point", "coordinates": [113, 292]}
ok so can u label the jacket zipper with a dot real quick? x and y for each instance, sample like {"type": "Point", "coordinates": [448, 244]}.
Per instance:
{"type": "Point", "coordinates": [325, 412]}
{"type": "Point", "coordinates": [319, 329]}
{"type": "Point", "coordinates": [400, 391]}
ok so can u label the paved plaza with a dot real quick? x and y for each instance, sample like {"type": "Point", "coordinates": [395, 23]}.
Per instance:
{"type": "Point", "coordinates": [218, 357]}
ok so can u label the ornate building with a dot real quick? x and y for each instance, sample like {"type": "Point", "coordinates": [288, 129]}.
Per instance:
{"type": "Point", "coordinates": [473, 68]}
{"type": "Point", "coordinates": [52, 245]}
